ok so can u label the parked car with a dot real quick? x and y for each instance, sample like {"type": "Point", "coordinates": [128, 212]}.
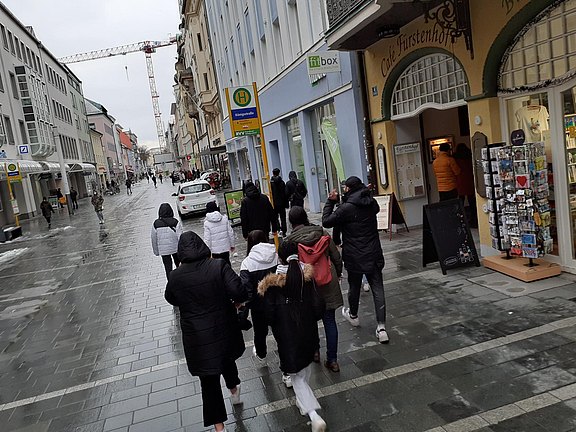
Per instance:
{"type": "Point", "coordinates": [193, 197]}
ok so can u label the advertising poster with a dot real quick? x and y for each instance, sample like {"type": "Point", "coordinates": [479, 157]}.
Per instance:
{"type": "Point", "coordinates": [233, 201]}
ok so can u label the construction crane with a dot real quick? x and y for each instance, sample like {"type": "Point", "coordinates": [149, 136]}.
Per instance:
{"type": "Point", "coordinates": [148, 48]}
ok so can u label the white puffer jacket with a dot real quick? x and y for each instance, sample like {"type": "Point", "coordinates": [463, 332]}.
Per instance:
{"type": "Point", "coordinates": [218, 233]}
{"type": "Point", "coordinates": [165, 240]}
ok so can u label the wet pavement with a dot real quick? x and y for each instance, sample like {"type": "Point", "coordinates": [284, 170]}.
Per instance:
{"type": "Point", "coordinates": [88, 343]}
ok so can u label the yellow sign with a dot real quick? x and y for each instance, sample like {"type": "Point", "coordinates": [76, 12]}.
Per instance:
{"type": "Point", "coordinates": [13, 172]}
{"type": "Point", "coordinates": [243, 110]}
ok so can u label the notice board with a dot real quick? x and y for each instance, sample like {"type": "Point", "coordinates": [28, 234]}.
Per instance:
{"type": "Point", "coordinates": [447, 237]}
{"type": "Point", "coordinates": [409, 171]}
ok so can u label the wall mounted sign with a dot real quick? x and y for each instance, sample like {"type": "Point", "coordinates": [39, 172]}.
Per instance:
{"type": "Point", "coordinates": [409, 171]}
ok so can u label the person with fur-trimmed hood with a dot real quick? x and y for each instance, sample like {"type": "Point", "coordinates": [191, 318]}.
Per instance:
{"type": "Point", "coordinates": [293, 308]}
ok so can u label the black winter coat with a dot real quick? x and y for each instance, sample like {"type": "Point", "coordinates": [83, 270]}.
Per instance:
{"type": "Point", "coordinates": [297, 341]}
{"type": "Point", "coordinates": [204, 289]}
{"type": "Point", "coordinates": [355, 219]}
{"type": "Point", "coordinates": [296, 190]}
{"type": "Point", "coordinates": [256, 212]}
{"type": "Point", "coordinates": [279, 192]}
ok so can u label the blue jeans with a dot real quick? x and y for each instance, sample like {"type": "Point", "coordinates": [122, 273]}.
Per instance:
{"type": "Point", "coordinates": [331, 330]}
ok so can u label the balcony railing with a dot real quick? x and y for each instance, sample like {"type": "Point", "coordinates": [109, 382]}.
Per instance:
{"type": "Point", "coordinates": [338, 10]}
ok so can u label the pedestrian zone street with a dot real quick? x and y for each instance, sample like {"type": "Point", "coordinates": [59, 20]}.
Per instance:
{"type": "Point", "coordinates": [88, 343]}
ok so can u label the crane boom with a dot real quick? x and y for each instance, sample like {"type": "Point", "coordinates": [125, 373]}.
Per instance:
{"type": "Point", "coordinates": [147, 47]}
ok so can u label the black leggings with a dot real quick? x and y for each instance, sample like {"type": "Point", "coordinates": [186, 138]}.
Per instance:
{"type": "Point", "coordinates": [167, 260]}
{"type": "Point", "coordinates": [213, 407]}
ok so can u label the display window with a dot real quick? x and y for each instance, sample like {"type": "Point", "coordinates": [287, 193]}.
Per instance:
{"type": "Point", "coordinates": [295, 146]}
{"type": "Point", "coordinates": [568, 98]}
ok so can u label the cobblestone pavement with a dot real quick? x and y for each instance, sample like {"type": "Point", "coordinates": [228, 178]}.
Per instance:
{"type": "Point", "coordinates": [87, 342]}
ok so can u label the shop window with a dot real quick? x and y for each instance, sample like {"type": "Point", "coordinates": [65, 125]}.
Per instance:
{"type": "Point", "coordinates": [435, 81]}
{"type": "Point", "coordinates": [543, 52]}
{"type": "Point", "coordinates": [295, 146]}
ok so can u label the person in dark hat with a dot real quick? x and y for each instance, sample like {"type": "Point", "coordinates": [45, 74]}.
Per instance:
{"type": "Point", "coordinates": [355, 219]}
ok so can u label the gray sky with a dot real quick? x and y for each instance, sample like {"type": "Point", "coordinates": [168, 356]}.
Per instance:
{"type": "Point", "coordinates": [68, 27]}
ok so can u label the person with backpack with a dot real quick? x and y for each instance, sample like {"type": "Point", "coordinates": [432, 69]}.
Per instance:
{"type": "Point", "coordinates": [279, 198]}
{"type": "Point", "coordinates": [295, 190]}
{"type": "Point", "coordinates": [165, 233]}
{"type": "Point", "coordinates": [355, 220]}
{"type": "Point", "coordinates": [315, 246]}
{"type": "Point", "coordinates": [218, 233]}
{"type": "Point", "coordinates": [261, 260]}
{"type": "Point", "coordinates": [293, 307]}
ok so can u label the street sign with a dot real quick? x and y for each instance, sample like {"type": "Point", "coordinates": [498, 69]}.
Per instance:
{"type": "Point", "coordinates": [13, 172]}
{"type": "Point", "coordinates": [15, 208]}
{"type": "Point", "coordinates": [243, 110]}
{"type": "Point", "coordinates": [23, 149]}
{"type": "Point", "coordinates": [323, 62]}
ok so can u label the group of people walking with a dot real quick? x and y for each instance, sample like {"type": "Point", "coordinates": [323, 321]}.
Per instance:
{"type": "Point", "coordinates": [288, 290]}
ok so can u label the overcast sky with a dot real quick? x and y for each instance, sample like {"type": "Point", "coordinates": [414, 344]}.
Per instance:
{"type": "Point", "coordinates": [68, 27]}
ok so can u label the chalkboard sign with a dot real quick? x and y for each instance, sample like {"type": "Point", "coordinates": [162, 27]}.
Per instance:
{"type": "Point", "coordinates": [447, 236]}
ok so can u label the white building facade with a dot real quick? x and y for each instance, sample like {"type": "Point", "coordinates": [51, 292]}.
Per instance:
{"type": "Point", "coordinates": [311, 124]}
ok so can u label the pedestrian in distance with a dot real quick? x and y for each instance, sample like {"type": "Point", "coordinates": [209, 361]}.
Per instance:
{"type": "Point", "coordinates": [173, 178]}
{"type": "Point", "coordinates": [261, 260]}
{"type": "Point", "coordinates": [295, 190]}
{"type": "Point", "coordinates": [128, 186]}
{"type": "Point", "coordinates": [61, 198]}
{"type": "Point", "coordinates": [465, 181]}
{"type": "Point", "coordinates": [47, 210]}
{"type": "Point", "coordinates": [362, 253]}
{"type": "Point", "coordinates": [256, 212]}
{"type": "Point", "coordinates": [74, 198]}
{"type": "Point", "coordinates": [161, 177]}
{"type": "Point", "coordinates": [446, 171]}
{"type": "Point", "coordinates": [154, 181]}
{"type": "Point", "coordinates": [205, 290]}
{"type": "Point", "coordinates": [114, 186]}
{"type": "Point", "coordinates": [293, 308]}
{"type": "Point", "coordinates": [279, 198]}
{"type": "Point", "coordinates": [148, 178]}
{"type": "Point", "coordinates": [98, 204]}
{"type": "Point", "coordinates": [316, 247]}
{"type": "Point", "coordinates": [218, 233]}
{"type": "Point", "coordinates": [165, 233]}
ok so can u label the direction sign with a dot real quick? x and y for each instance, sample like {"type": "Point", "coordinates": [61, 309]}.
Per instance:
{"type": "Point", "coordinates": [243, 109]}
{"type": "Point", "coordinates": [23, 149]}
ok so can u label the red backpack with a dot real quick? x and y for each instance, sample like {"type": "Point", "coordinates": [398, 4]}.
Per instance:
{"type": "Point", "coordinates": [317, 255]}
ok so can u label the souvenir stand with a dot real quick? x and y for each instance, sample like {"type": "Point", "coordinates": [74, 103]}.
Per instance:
{"type": "Point", "coordinates": [519, 210]}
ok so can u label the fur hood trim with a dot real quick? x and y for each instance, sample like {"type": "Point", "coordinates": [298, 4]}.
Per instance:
{"type": "Point", "coordinates": [279, 280]}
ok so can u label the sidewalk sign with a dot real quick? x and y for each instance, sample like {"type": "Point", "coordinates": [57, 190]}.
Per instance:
{"type": "Point", "coordinates": [233, 201]}
{"type": "Point", "coordinates": [447, 237]}
{"type": "Point", "coordinates": [390, 213]}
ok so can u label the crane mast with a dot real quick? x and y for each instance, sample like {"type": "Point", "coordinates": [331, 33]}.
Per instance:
{"type": "Point", "coordinates": [148, 48]}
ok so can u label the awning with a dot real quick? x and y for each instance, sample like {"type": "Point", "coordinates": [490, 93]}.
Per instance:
{"type": "Point", "coordinates": [53, 167]}
{"type": "Point", "coordinates": [81, 167]}
{"type": "Point", "coordinates": [26, 167]}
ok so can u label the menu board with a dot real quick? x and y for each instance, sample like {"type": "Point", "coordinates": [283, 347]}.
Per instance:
{"type": "Point", "coordinates": [409, 172]}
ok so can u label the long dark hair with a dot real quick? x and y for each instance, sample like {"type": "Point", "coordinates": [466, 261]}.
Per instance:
{"type": "Point", "coordinates": [294, 275]}
{"type": "Point", "coordinates": [255, 237]}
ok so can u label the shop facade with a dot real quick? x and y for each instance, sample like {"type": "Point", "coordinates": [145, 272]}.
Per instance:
{"type": "Point", "coordinates": [509, 66]}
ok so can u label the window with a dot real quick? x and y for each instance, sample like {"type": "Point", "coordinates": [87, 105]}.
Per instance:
{"type": "Point", "coordinates": [4, 38]}
{"type": "Point", "coordinates": [206, 81]}
{"type": "Point", "coordinates": [248, 31]}
{"type": "Point", "coordinates": [28, 57]}
{"type": "Point", "coordinates": [260, 20]}
{"type": "Point", "coordinates": [199, 36]}
{"type": "Point", "coordinates": [1, 84]}
{"type": "Point", "coordinates": [9, 132]}
{"type": "Point", "coordinates": [18, 52]}
{"type": "Point", "coordinates": [14, 86]}
{"type": "Point", "coordinates": [11, 41]}
{"type": "Point", "coordinates": [187, 190]}
{"type": "Point", "coordinates": [273, 11]}
{"type": "Point", "coordinates": [23, 132]}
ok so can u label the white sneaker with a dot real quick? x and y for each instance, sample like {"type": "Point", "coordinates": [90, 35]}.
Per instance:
{"type": "Point", "coordinates": [346, 314]}
{"type": "Point", "coordinates": [260, 362]}
{"type": "Point", "coordinates": [235, 397]}
{"type": "Point", "coordinates": [287, 380]}
{"type": "Point", "coordinates": [302, 412]}
{"type": "Point", "coordinates": [366, 287]}
{"type": "Point", "coordinates": [382, 335]}
{"type": "Point", "coordinates": [318, 424]}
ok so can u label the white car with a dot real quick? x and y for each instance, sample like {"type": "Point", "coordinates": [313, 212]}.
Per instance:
{"type": "Point", "coordinates": [193, 197]}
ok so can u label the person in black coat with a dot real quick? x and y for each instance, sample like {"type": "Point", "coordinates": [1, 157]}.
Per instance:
{"type": "Point", "coordinates": [256, 212]}
{"type": "Point", "coordinates": [295, 190]}
{"type": "Point", "coordinates": [280, 199]}
{"type": "Point", "coordinates": [205, 291]}
{"type": "Point", "coordinates": [355, 219]}
{"type": "Point", "coordinates": [293, 307]}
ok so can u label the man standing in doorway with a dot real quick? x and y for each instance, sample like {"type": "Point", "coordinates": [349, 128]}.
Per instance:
{"type": "Point", "coordinates": [362, 253]}
{"type": "Point", "coordinates": [447, 171]}
{"type": "Point", "coordinates": [74, 198]}
{"type": "Point", "coordinates": [279, 197]}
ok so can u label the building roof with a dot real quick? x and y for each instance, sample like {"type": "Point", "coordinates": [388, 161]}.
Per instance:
{"type": "Point", "coordinates": [94, 108]}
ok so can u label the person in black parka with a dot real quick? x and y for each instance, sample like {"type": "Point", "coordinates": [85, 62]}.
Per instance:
{"type": "Point", "coordinates": [256, 212]}
{"type": "Point", "coordinates": [280, 199]}
{"type": "Point", "coordinates": [355, 219]}
{"type": "Point", "coordinates": [295, 190]}
{"type": "Point", "coordinates": [205, 291]}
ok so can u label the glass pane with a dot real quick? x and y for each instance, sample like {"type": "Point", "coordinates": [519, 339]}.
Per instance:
{"type": "Point", "coordinates": [542, 32]}
{"type": "Point", "coordinates": [556, 27]}
{"type": "Point", "coordinates": [559, 67]}
{"type": "Point", "coordinates": [558, 49]}
{"type": "Point", "coordinates": [543, 52]}
{"type": "Point", "coordinates": [568, 104]}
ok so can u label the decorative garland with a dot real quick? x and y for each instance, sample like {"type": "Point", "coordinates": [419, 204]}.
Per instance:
{"type": "Point", "coordinates": [543, 84]}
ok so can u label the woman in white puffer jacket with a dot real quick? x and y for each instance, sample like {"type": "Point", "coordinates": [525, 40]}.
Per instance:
{"type": "Point", "coordinates": [218, 233]}
{"type": "Point", "coordinates": [165, 234]}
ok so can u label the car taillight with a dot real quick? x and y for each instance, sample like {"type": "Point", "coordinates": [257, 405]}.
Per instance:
{"type": "Point", "coordinates": [181, 197]}
{"type": "Point", "coordinates": [212, 192]}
